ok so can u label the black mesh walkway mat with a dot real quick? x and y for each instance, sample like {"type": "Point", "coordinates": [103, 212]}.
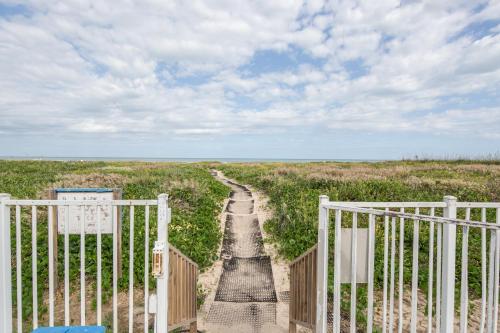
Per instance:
{"type": "Point", "coordinates": [240, 195]}
{"type": "Point", "coordinates": [237, 186]}
{"type": "Point", "coordinates": [242, 237]}
{"type": "Point", "coordinates": [253, 314]}
{"type": "Point", "coordinates": [240, 207]}
{"type": "Point", "coordinates": [246, 280]}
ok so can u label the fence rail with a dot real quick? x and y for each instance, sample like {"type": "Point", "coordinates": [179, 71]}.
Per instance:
{"type": "Point", "coordinates": [303, 290]}
{"type": "Point", "coordinates": [394, 259]}
{"type": "Point", "coordinates": [182, 280]}
{"type": "Point", "coordinates": [90, 263]}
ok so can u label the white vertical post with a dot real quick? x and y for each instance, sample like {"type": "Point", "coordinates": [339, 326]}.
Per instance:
{"type": "Point", "coordinates": [414, 274]}
{"type": "Point", "coordinates": [83, 298]}
{"type": "Point", "coordinates": [371, 263]}
{"type": "Point", "coordinates": [464, 283]}
{"type": "Point", "coordinates": [431, 273]}
{"type": "Point", "coordinates": [491, 282]}
{"type": "Point", "coordinates": [448, 267]}
{"type": "Point", "coordinates": [5, 267]}
{"type": "Point", "coordinates": [439, 266]}
{"type": "Point", "coordinates": [19, 276]}
{"type": "Point", "coordinates": [386, 258]}
{"type": "Point", "coordinates": [336, 272]}
{"type": "Point", "coordinates": [401, 271]}
{"type": "Point", "coordinates": [162, 281]}
{"type": "Point", "coordinates": [391, 292]}
{"type": "Point", "coordinates": [34, 262]}
{"type": "Point", "coordinates": [67, 314]}
{"type": "Point", "coordinates": [99, 266]}
{"type": "Point", "coordinates": [322, 277]}
{"type": "Point", "coordinates": [353, 271]}
{"type": "Point", "coordinates": [115, 218]}
{"type": "Point", "coordinates": [131, 274]}
{"type": "Point", "coordinates": [497, 274]}
{"type": "Point", "coordinates": [146, 270]}
{"type": "Point", "coordinates": [483, 272]}
{"type": "Point", "coordinates": [52, 262]}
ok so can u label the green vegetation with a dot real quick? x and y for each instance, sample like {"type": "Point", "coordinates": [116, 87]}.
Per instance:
{"type": "Point", "coordinates": [294, 189]}
{"type": "Point", "coordinates": [194, 196]}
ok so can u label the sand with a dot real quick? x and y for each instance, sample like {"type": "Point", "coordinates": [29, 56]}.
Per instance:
{"type": "Point", "coordinates": [217, 316]}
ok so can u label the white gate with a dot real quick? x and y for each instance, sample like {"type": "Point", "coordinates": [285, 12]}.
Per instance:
{"type": "Point", "coordinates": [31, 217]}
{"type": "Point", "coordinates": [381, 219]}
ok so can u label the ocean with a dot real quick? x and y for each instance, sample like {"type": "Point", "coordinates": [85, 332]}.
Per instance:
{"type": "Point", "coordinates": [177, 159]}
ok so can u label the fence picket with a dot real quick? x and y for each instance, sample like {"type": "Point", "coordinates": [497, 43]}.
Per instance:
{"type": "Point", "coordinates": [131, 273]}
{"type": "Point", "coordinates": [445, 264]}
{"type": "Point", "coordinates": [371, 259]}
{"type": "Point", "coordinates": [431, 273]}
{"type": "Point", "coordinates": [34, 260]}
{"type": "Point", "coordinates": [51, 230]}
{"type": "Point", "coordinates": [438, 276]}
{"type": "Point", "coordinates": [82, 266]}
{"type": "Point", "coordinates": [393, 255]}
{"type": "Point", "coordinates": [353, 271]}
{"type": "Point", "coordinates": [497, 272]}
{"type": "Point", "coordinates": [186, 276]}
{"type": "Point", "coordinates": [67, 318]}
{"type": "Point", "coordinates": [414, 273]}
{"type": "Point", "coordinates": [464, 299]}
{"type": "Point", "coordinates": [19, 278]}
{"type": "Point", "coordinates": [336, 274]}
{"type": "Point", "coordinates": [146, 269]}
{"type": "Point", "coordinates": [386, 257]}
{"type": "Point", "coordinates": [401, 270]}
{"type": "Point", "coordinates": [99, 267]}
{"type": "Point", "coordinates": [115, 269]}
{"type": "Point", "coordinates": [483, 273]}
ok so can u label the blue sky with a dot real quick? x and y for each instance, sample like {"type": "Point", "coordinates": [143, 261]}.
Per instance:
{"type": "Point", "coordinates": [261, 79]}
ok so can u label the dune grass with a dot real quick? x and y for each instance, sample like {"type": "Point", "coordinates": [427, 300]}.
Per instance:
{"type": "Point", "coordinates": [194, 196]}
{"type": "Point", "coordinates": [294, 189]}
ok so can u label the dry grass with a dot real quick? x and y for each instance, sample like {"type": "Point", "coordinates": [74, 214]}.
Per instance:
{"type": "Point", "coordinates": [109, 180]}
{"type": "Point", "coordinates": [479, 177]}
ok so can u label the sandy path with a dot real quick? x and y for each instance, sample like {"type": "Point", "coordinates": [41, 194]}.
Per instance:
{"type": "Point", "coordinates": [247, 286]}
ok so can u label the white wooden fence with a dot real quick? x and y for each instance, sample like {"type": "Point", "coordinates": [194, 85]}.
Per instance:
{"type": "Point", "coordinates": [439, 222]}
{"type": "Point", "coordinates": [10, 320]}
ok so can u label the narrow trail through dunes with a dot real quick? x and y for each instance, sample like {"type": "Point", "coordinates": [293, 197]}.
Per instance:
{"type": "Point", "coordinates": [244, 296]}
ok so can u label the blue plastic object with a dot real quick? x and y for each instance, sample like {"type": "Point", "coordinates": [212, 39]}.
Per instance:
{"type": "Point", "coordinates": [71, 329]}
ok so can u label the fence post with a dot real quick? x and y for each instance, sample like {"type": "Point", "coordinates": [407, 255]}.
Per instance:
{"type": "Point", "coordinates": [448, 268]}
{"type": "Point", "coordinates": [322, 277]}
{"type": "Point", "coordinates": [162, 281]}
{"type": "Point", "coordinates": [5, 267]}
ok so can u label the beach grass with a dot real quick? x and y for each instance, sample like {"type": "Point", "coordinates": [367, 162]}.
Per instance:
{"type": "Point", "coordinates": [294, 191]}
{"type": "Point", "coordinates": [194, 195]}
{"type": "Point", "coordinates": [293, 188]}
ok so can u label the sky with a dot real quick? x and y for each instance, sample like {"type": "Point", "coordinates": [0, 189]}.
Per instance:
{"type": "Point", "coordinates": [250, 79]}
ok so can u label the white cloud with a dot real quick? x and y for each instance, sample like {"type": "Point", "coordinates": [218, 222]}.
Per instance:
{"type": "Point", "coordinates": [99, 66]}
{"type": "Point", "coordinates": [483, 122]}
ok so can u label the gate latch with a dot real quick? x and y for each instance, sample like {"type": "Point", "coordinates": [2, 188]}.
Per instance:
{"type": "Point", "coordinates": [158, 252]}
